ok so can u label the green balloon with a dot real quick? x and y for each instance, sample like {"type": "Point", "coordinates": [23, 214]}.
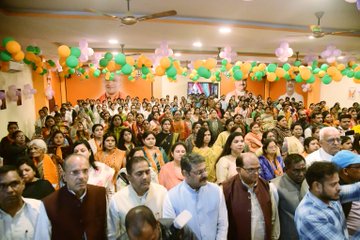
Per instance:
{"type": "Point", "coordinates": [238, 75]}
{"type": "Point", "coordinates": [120, 59]}
{"type": "Point", "coordinates": [271, 67]}
{"type": "Point", "coordinates": [30, 49]}
{"type": "Point", "coordinates": [37, 50]}
{"type": "Point", "coordinates": [202, 71]}
{"type": "Point", "coordinates": [74, 51]}
{"type": "Point", "coordinates": [224, 62]}
{"type": "Point", "coordinates": [171, 72]}
{"type": "Point", "coordinates": [118, 72]}
{"type": "Point", "coordinates": [354, 66]}
{"type": "Point", "coordinates": [297, 63]}
{"type": "Point", "coordinates": [103, 62]}
{"type": "Point", "coordinates": [344, 72]}
{"type": "Point", "coordinates": [145, 70]}
{"type": "Point", "coordinates": [6, 40]}
{"type": "Point", "coordinates": [127, 69]}
{"type": "Point", "coordinates": [26, 61]}
{"type": "Point", "coordinates": [104, 71]}
{"type": "Point", "coordinates": [236, 67]}
{"type": "Point", "coordinates": [253, 64]}
{"type": "Point", "coordinates": [72, 61]}
{"type": "Point", "coordinates": [311, 79]}
{"type": "Point", "coordinates": [326, 79]}
{"type": "Point", "coordinates": [81, 70]}
{"type": "Point", "coordinates": [316, 70]}
{"type": "Point", "coordinates": [96, 73]}
{"type": "Point", "coordinates": [71, 70]}
{"type": "Point", "coordinates": [287, 76]}
{"type": "Point", "coordinates": [350, 74]}
{"type": "Point", "coordinates": [298, 78]}
{"type": "Point", "coordinates": [324, 67]}
{"type": "Point", "coordinates": [5, 56]}
{"type": "Point", "coordinates": [357, 75]}
{"type": "Point", "coordinates": [314, 64]}
{"type": "Point", "coordinates": [196, 77]}
{"type": "Point", "coordinates": [108, 56]}
{"type": "Point", "coordinates": [112, 76]}
{"type": "Point", "coordinates": [87, 76]}
{"type": "Point", "coordinates": [131, 78]}
{"type": "Point", "coordinates": [258, 75]}
{"type": "Point", "coordinates": [51, 63]}
{"type": "Point", "coordinates": [286, 67]}
{"type": "Point", "coordinates": [184, 74]}
{"type": "Point", "coordinates": [223, 69]}
{"type": "Point", "coordinates": [44, 72]}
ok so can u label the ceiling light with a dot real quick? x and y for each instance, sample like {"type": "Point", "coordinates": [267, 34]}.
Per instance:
{"type": "Point", "coordinates": [311, 37]}
{"type": "Point", "coordinates": [225, 30]}
{"type": "Point", "coordinates": [114, 53]}
{"type": "Point", "coordinates": [197, 44]}
{"type": "Point", "coordinates": [177, 54]}
{"type": "Point", "coordinates": [113, 41]}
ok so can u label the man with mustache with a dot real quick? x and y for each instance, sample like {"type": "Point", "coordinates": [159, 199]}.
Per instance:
{"type": "Point", "coordinates": [204, 200]}
{"type": "Point", "coordinates": [17, 214]}
{"type": "Point", "coordinates": [75, 211]}
{"type": "Point", "coordinates": [140, 191]}
{"type": "Point", "coordinates": [252, 212]}
{"type": "Point", "coordinates": [319, 214]}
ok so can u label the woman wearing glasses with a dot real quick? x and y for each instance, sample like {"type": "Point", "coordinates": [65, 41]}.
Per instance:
{"type": "Point", "coordinates": [271, 164]}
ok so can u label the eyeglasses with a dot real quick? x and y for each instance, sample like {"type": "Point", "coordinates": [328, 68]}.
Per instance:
{"type": "Point", "coordinates": [77, 172]}
{"type": "Point", "coordinates": [199, 172]}
{"type": "Point", "coordinates": [252, 170]}
{"type": "Point", "coordinates": [332, 140]}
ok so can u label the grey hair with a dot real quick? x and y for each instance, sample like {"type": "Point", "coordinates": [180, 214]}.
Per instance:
{"type": "Point", "coordinates": [325, 130]}
{"type": "Point", "coordinates": [39, 143]}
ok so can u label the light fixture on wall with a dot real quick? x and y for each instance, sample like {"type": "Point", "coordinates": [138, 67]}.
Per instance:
{"type": "Point", "coordinates": [197, 44]}
{"type": "Point", "coordinates": [225, 30]}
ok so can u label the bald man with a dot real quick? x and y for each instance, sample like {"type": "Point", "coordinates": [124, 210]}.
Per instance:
{"type": "Point", "coordinates": [75, 211]}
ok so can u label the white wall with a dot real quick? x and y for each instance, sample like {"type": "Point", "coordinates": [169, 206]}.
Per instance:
{"type": "Point", "coordinates": [162, 86]}
{"type": "Point", "coordinates": [346, 92]}
{"type": "Point", "coordinates": [24, 114]}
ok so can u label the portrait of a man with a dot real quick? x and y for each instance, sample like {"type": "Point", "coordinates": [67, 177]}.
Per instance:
{"type": "Point", "coordinates": [291, 93]}
{"type": "Point", "coordinates": [240, 90]}
{"type": "Point", "coordinates": [112, 88]}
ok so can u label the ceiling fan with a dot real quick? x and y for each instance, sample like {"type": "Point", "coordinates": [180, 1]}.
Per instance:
{"type": "Point", "coordinates": [130, 19]}
{"type": "Point", "coordinates": [122, 46]}
{"type": "Point", "coordinates": [317, 31]}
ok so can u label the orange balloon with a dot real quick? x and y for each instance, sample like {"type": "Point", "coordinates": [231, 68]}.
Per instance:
{"type": "Point", "coordinates": [130, 60]}
{"type": "Point", "coordinates": [228, 66]}
{"type": "Point", "coordinates": [357, 68]}
{"type": "Point", "coordinates": [63, 51]}
{"type": "Point", "coordinates": [62, 62]}
{"type": "Point", "coordinates": [165, 62]}
{"type": "Point", "coordinates": [246, 67]}
{"type": "Point", "coordinates": [271, 76]}
{"type": "Point", "coordinates": [210, 63]}
{"type": "Point", "coordinates": [30, 56]}
{"type": "Point", "coordinates": [13, 47]}
{"type": "Point", "coordinates": [337, 77]}
{"type": "Point", "coordinates": [39, 70]}
{"type": "Point", "coordinates": [305, 73]}
{"type": "Point", "coordinates": [262, 66]}
{"type": "Point", "coordinates": [332, 71]}
{"type": "Point", "coordinates": [111, 66]}
{"type": "Point", "coordinates": [18, 56]}
{"type": "Point", "coordinates": [280, 72]}
{"type": "Point", "coordinates": [198, 63]}
{"type": "Point", "coordinates": [148, 62]}
{"type": "Point", "coordinates": [159, 71]}
{"type": "Point", "coordinates": [341, 67]}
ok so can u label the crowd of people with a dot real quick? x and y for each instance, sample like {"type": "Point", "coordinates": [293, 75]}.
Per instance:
{"type": "Point", "coordinates": [244, 167]}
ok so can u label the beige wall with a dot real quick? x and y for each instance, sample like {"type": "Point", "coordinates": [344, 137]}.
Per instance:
{"type": "Point", "coordinates": [24, 114]}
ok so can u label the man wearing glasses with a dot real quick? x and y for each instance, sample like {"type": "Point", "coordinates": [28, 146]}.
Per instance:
{"type": "Point", "coordinates": [252, 212]}
{"type": "Point", "coordinates": [348, 164]}
{"type": "Point", "coordinates": [330, 145]}
{"type": "Point", "coordinates": [75, 211]}
{"type": "Point", "coordinates": [290, 188]}
{"type": "Point", "coordinates": [17, 214]}
{"type": "Point", "coordinates": [204, 200]}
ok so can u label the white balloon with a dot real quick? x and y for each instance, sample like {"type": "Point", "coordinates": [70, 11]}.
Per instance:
{"type": "Point", "coordinates": [284, 45]}
{"type": "Point", "coordinates": [90, 52]}
{"type": "Point", "coordinates": [290, 52]}
{"type": "Point", "coordinates": [331, 59]}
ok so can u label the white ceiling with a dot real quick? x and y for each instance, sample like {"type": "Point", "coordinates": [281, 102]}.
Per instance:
{"type": "Point", "coordinates": [258, 26]}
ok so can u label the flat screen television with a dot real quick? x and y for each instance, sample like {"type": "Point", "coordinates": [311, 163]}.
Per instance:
{"type": "Point", "coordinates": [203, 87]}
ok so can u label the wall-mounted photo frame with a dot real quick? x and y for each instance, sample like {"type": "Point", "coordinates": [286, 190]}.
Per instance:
{"type": "Point", "coordinates": [3, 101]}
{"type": "Point", "coordinates": [19, 95]}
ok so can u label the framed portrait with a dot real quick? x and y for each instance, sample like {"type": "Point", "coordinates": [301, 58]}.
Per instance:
{"type": "Point", "coordinates": [3, 101]}
{"type": "Point", "coordinates": [19, 100]}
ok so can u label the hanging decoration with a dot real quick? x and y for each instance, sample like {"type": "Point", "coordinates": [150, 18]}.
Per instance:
{"type": "Point", "coordinates": [284, 52]}
{"type": "Point", "coordinates": [161, 52]}
{"type": "Point", "coordinates": [227, 54]}
{"type": "Point", "coordinates": [331, 53]}
{"type": "Point", "coordinates": [13, 93]}
{"type": "Point", "coordinates": [28, 91]}
{"type": "Point", "coordinates": [12, 50]}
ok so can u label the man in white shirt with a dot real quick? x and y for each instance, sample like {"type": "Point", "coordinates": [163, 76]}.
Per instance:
{"type": "Point", "coordinates": [141, 191]}
{"type": "Point", "coordinates": [18, 215]}
{"type": "Point", "coordinates": [330, 145]}
{"type": "Point", "coordinates": [204, 200]}
{"type": "Point", "coordinates": [290, 92]}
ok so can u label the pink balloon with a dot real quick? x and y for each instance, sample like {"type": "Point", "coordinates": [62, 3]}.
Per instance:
{"type": "Point", "coordinates": [337, 52]}
{"type": "Point", "coordinates": [222, 55]}
{"type": "Point", "coordinates": [279, 52]}
{"type": "Point", "coordinates": [83, 43]}
{"type": "Point", "coordinates": [331, 59]}
{"type": "Point", "coordinates": [284, 45]}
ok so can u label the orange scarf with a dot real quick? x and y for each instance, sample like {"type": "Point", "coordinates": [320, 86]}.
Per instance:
{"type": "Point", "coordinates": [51, 171]}
{"type": "Point", "coordinates": [278, 171]}
{"type": "Point", "coordinates": [58, 152]}
{"type": "Point", "coordinates": [156, 160]}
